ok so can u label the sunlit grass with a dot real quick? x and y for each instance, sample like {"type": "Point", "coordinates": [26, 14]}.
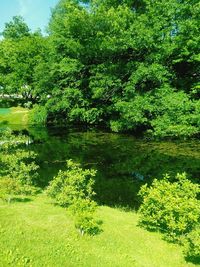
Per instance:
{"type": "Point", "coordinates": [15, 115]}
{"type": "Point", "coordinates": [37, 233]}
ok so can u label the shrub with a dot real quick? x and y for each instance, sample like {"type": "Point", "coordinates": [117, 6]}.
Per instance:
{"type": "Point", "coordinates": [72, 184]}
{"type": "Point", "coordinates": [8, 188]}
{"type": "Point", "coordinates": [81, 205]}
{"type": "Point", "coordinates": [170, 207]}
{"type": "Point", "coordinates": [85, 222]}
{"type": "Point", "coordinates": [18, 170]}
{"type": "Point", "coordinates": [192, 244]}
{"type": "Point", "coordinates": [73, 188]}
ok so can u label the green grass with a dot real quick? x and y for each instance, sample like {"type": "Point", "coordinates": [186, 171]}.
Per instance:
{"type": "Point", "coordinates": [38, 233]}
{"type": "Point", "coordinates": [14, 115]}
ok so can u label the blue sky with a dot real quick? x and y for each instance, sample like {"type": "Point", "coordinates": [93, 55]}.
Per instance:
{"type": "Point", "coordinates": [36, 13]}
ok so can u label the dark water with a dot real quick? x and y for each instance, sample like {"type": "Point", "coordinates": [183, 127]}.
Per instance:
{"type": "Point", "coordinates": [123, 162]}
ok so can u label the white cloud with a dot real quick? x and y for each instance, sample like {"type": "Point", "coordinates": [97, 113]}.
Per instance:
{"type": "Point", "coordinates": [24, 7]}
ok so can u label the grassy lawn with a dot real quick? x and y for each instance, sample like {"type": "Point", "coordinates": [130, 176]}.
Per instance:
{"type": "Point", "coordinates": [14, 115]}
{"type": "Point", "coordinates": [38, 233]}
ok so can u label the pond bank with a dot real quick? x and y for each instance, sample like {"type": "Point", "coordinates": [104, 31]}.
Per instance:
{"type": "Point", "coordinates": [14, 115]}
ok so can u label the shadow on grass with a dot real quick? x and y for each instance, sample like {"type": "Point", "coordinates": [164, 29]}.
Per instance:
{"type": "Point", "coordinates": [194, 260]}
{"type": "Point", "coordinates": [94, 230]}
{"type": "Point", "coordinates": [99, 228]}
{"type": "Point", "coordinates": [21, 199]}
{"type": "Point", "coordinates": [3, 123]}
{"type": "Point", "coordinates": [165, 237]}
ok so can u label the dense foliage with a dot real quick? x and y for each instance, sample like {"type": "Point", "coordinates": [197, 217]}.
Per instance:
{"type": "Point", "coordinates": [173, 208]}
{"type": "Point", "coordinates": [170, 207]}
{"type": "Point", "coordinates": [128, 65]}
{"type": "Point", "coordinates": [38, 115]}
{"type": "Point", "coordinates": [18, 171]}
{"type": "Point", "coordinates": [192, 244]}
{"type": "Point", "coordinates": [73, 188]}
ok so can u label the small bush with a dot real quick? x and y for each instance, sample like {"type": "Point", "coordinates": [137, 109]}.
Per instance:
{"type": "Point", "coordinates": [73, 188]}
{"type": "Point", "coordinates": [170, 207]}
{"type": "Point", "coordinates": [86, 223]}
{"type": "Point", "coordinates": [84, 211]}
{"type": "Point", "coordinates": [18, 171]}
{"type": "Point", "coordinates": [72, 184]}
{"type": "Point", "coordinates": [8, 188]}
{"type": "Point", "coordinates": [82, 205]}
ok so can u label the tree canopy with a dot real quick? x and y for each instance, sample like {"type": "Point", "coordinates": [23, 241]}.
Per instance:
{"type": "Point", "coordinates": [128, 65]}
{"type": "Point", "coordinates": [16, 28]}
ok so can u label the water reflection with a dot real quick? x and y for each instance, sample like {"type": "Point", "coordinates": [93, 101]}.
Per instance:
{"type": "Point", "coordinates": [123, 162]}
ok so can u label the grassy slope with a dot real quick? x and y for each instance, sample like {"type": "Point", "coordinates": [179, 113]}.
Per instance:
{"type": "Point", "coordinates": [17, 115]}
{"type": "Point", "coordinates": [38, 233]}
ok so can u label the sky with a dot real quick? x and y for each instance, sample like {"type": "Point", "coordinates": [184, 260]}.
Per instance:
{"type": "Point", "coordinates": [36, 13]}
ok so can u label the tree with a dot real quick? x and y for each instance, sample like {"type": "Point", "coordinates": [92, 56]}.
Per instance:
{"type": "Point", "coordinates": [16, 29]}
{"type": "Point", "coordinates": [112, 63]}
{"type": "Point", "coordinates": [19, 60]}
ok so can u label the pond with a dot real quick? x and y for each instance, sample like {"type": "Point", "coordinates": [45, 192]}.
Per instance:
{"type": "Point", "coordinates": [123, 162]}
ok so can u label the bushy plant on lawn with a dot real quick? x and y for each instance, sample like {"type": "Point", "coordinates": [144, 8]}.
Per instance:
{"type": "Point", "coordinates": [8, 188]}
{"type": "Point", "coordinates": [170, 207]}
{"type": "Point", "coordinates": [72, 184]}
{"type": "Point", "coordinates": [73, 188]}
{"type": "Point", "coordinates": [85, 221]}
{"type": "Point", "coordinates": [18, 171]}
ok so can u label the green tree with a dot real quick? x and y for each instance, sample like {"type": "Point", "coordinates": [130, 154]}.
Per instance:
{"type": "Point", "coordinates": [19, 59]}
{"type": "Point", "coordinates": [16, 29]}
{"type": "Point", "coordinates": [128, 52]}
{"type": "Point", "coordinates": [111, 63]}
